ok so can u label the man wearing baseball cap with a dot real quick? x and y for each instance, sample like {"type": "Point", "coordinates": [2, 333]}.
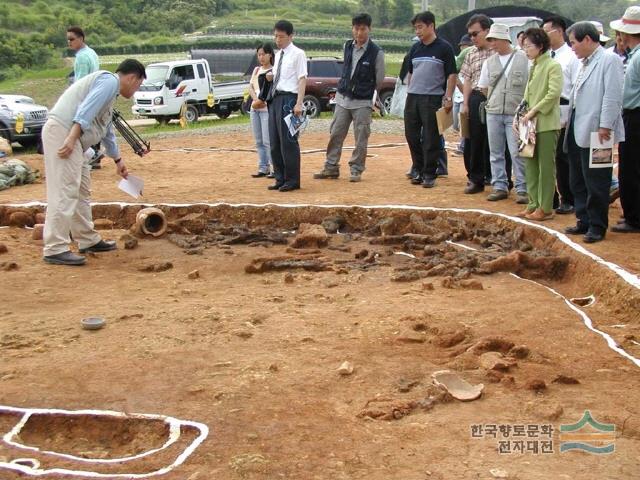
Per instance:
{"type": "Point", "coordinates": [629, 166]}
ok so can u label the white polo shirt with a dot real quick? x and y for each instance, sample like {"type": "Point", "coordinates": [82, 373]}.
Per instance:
{"type": "Point", "coordinates": [294, 67]}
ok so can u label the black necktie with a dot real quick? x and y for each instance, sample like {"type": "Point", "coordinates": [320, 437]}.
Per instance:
{"type": "Point", "coordinates": [272, 91]}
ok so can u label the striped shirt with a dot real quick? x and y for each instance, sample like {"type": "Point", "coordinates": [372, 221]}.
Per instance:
{"type": "Point", "coordinates": [430, 66]}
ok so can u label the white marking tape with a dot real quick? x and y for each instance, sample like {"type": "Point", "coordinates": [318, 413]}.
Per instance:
{"type": "Point", "coordinates": [175, 426]}
{"type": "Point", "coordinates": [588, 322]}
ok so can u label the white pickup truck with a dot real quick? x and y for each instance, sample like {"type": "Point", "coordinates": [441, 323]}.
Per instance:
{"type": "Point", "coordinates": [169, 85]}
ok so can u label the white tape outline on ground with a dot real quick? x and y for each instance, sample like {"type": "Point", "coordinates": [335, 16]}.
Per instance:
{"type": "Point", "coordinates": [174, 428]}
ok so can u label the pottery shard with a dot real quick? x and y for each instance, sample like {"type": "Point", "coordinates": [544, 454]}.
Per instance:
{"type": "Point", "coordinates": [38, 230]}
{"type": "Point", "coordinates": [495, 361]}
{"type": "Point", "coordinates": [20, 219]}
{"type": "Point", "coordinates": [346, 368]}
{"type": "Point", "coordinates": [310, 236]}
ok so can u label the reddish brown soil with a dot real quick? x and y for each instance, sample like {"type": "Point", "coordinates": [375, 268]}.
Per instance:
{"type": "Point", "coordinates": [256, 356]}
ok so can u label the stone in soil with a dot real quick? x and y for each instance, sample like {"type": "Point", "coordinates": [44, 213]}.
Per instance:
{"type": "Point", "coordinates": [157, 267]}
{"type": "Point", "coordinates": [3, 248]}
{"type": "Point", "coordinates": [346, 368]}
{"type": "Point", "coordinates": [310, 236]}
{"type": "Point", "coordinates": [130, 242]}
{"type": "Point", "coordinates": [193, 275]}
{"type": "Point", "coordinates": [20, 220]}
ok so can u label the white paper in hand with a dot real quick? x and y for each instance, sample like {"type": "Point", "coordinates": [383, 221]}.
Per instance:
{"type": "Point", "coordinates": [600, 153]}
{"type": "Point", "coordinates": [132, 185]}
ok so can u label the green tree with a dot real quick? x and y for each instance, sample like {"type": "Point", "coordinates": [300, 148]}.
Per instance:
{"type": "Point", "coordinates": [402, 13]}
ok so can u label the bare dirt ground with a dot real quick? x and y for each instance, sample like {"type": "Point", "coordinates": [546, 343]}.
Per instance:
{"type": "Point", "coordinates": [255, 356]}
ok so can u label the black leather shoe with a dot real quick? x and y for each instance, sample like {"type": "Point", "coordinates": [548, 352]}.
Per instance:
{"type": "Point", "coordinates": [578, 229]}
{"type": "Point", "coordinates": [101, 246]}
{"type": "Point", "coordinates": [417, 180]}
{"type": "Point", "coordinates": [564, 209]}
{"type": "Point", "coordinates": [591, 237]}
{"type": "Point", "coordinates": [288, 188]}
{"type": "Point", "coordinates": [472, 188]}
{"type": "Point", "coordinates": [65, 258]}
{"type": "Point", "coordinates": [275, 186]}
{"type": "Point", "coordinates": [411, 174]}
{"type": "Point", "coordinates": [428, 182]}
{"type": "Point", "coordinates": [259, 174]}
{"type": "Point", "coordinates": [624, 227]}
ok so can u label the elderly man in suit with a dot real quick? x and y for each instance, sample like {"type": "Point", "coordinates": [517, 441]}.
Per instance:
{"type": "Point", "coordinates": [596, 106]}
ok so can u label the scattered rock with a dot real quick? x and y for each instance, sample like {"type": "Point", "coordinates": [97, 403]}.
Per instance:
{"type": "Point", "coordinates": [471, 285]}
{"type": "Point", "coordinates": [427, 286]}
{"type": "Point", "coordinates": [289, 278]}
{"type": "Point", "coordinates": [3, 248]}
{"type": "Point", "coordinates": [411, 336]}
{"type": "Point", "coordinates": [362, 254]}
{"type": "Point", "coordinates": [405, 276]}
{"type": "Point", "coordinates": [491, 344]}
{"type": "Point", "coordinates": [157, 267]}
{"type": "Point", "coordinates": [536, 385]}
{"type": "Point", "coordinates": [310, 263]}
{"type": "Point", "coordinates": [20, 219]}
{"type": "Point", "coordinates": [103, 224]}
{"type": "Point", "coordinates": [274, 367]}
{"type": "Point", "coordinates": [346, 368]}
{"type": "Point", "coordinates": [494, 361]}
{"type": "Point", "coordinates": [566, 380]}
{"type": "Point", "coordinates": [405, 385]}
{"type": "Point", "coordinates": [130, 242]}
{"type": "Point", "coordinates": [8, 266]}
{"type": "Point", "coordinates": [494, 376]}
{"type": "Point", "coordinates": [310, 236]}
{"type": "Point", "coordinates": [332, 224]}
{"type": "Point", "coordinates": [447, 340]}
{"type": "Point", "coordinates": [193, 275]}
{"type": "Point", "coordinates": [38, 231]}
{"type": "Point", "coordinates": [519, 351]}
{"type": "Point", "coordinates": [243, 334]}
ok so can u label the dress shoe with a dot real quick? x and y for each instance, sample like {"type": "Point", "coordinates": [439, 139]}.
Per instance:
{"type": "Point", "coordinates": [539, 215]}
{"type": "Point", "coordinates": [428, 182]}
{"type": "Point", "coordinates": [324, 173]}
{"type": "Point", "coordinates": [355, 177]}
{"type": "Point", "coordinates": [472, 188]}
{"type": "Point", "coordinates": [65, 258]}
{"type": "Point", "coordinates": [411, 173]}
{"type": "Point", "coordinates": [624, 227]}
{"type": "Point", "coordinates": [417, 180]}
{"type": "Point", "coordinates": [565, 209]}
{"type": "Point", "coordinates": [578, 229]}
{"type": "Point", "coordinates": [288, 188]}
{"type": "Point", "coordinates": [275, 186]}
{"type": "Point", "coordinates": [442, 173]}
{"type": "Point", "coordinates": [101, 246]}
{"type": "Point", "coordinates": [522, 198]}
{"type": "Point", "coordinates": [592, 237]}
{"type": "Point", "coordinates": [497, 195]}
{"type": "Point", "coordinates": [260, 174]}
{"type": "Point", "coordinates": [271, 175]}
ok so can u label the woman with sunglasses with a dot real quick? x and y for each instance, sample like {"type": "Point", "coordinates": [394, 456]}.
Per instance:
{"type": "Point", "coordinates": [542, 97]}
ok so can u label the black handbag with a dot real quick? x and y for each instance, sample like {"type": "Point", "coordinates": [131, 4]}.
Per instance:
{"type": "Point", "coordinates": [265, 86]}
{"type": "Point", "coordinates": [482, 108]}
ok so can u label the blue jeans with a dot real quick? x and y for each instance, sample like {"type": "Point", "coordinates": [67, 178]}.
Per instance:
{"type": "Point", "coordinates": [500, 133]}
{"type": "Point", "coordinates": [260, 126]}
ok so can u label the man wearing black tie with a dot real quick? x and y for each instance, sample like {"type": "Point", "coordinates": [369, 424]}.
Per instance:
{"type": "Point", "coordinates": [289, 79]}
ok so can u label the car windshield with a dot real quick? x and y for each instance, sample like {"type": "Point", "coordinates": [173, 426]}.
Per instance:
{"type": "Point", "coordinates": [155, 78]}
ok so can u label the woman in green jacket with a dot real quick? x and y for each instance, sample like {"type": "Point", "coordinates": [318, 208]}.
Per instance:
{"type": "Point", "coordinates": [543, 99]}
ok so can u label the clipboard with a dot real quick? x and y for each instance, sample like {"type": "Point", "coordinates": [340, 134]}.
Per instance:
{"type": "Point", "coordinates": [444, 119]}
{"type": "Point", "coordinates": [464, 125]}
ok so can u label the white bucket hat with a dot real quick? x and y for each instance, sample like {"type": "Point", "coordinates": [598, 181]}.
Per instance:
{"type": "Point", "coordinates": [600, 28]}
{"type": "Point", "coordinates": [629, 23]}
{"type": "Point", "coordinates": [499, 31]}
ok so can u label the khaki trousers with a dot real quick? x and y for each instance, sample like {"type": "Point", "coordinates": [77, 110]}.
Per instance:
{"type": "Point", "coordinates": [68, 183]}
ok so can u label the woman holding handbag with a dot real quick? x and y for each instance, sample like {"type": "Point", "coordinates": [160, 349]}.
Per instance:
{"type": "Point", "coordinates": [542, 98]}
{"type": "Point", "coordinates": [259, 112]}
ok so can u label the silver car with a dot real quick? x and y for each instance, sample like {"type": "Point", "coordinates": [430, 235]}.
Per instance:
{"type": "Point", "coordinates": [34, 115]}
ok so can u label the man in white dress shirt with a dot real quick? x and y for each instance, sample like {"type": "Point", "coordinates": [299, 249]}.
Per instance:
{"type": "Point", "coordinates": [561, 52]}
{"type": "Point", "coordinates": [287, 92]}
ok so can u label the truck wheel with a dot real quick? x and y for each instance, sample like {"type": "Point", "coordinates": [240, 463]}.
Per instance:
{"type": "Point", "coordinates": [223, 114]}
{"type": "Point", "coordinates": [311, 105]}
{"type": "Point", "coordinates": [385, 99]}
{"type": "Point", "coordinates": [191, 114]}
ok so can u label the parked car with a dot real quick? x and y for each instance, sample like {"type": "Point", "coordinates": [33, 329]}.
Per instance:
{"type": "Point", "coordinates": [34, 117]}
{"type": "Point", "coordinates": [324, 75]}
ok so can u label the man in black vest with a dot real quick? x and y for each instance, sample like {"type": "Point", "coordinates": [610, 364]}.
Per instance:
{"type": "Point", "coordinates": [362, 75]}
